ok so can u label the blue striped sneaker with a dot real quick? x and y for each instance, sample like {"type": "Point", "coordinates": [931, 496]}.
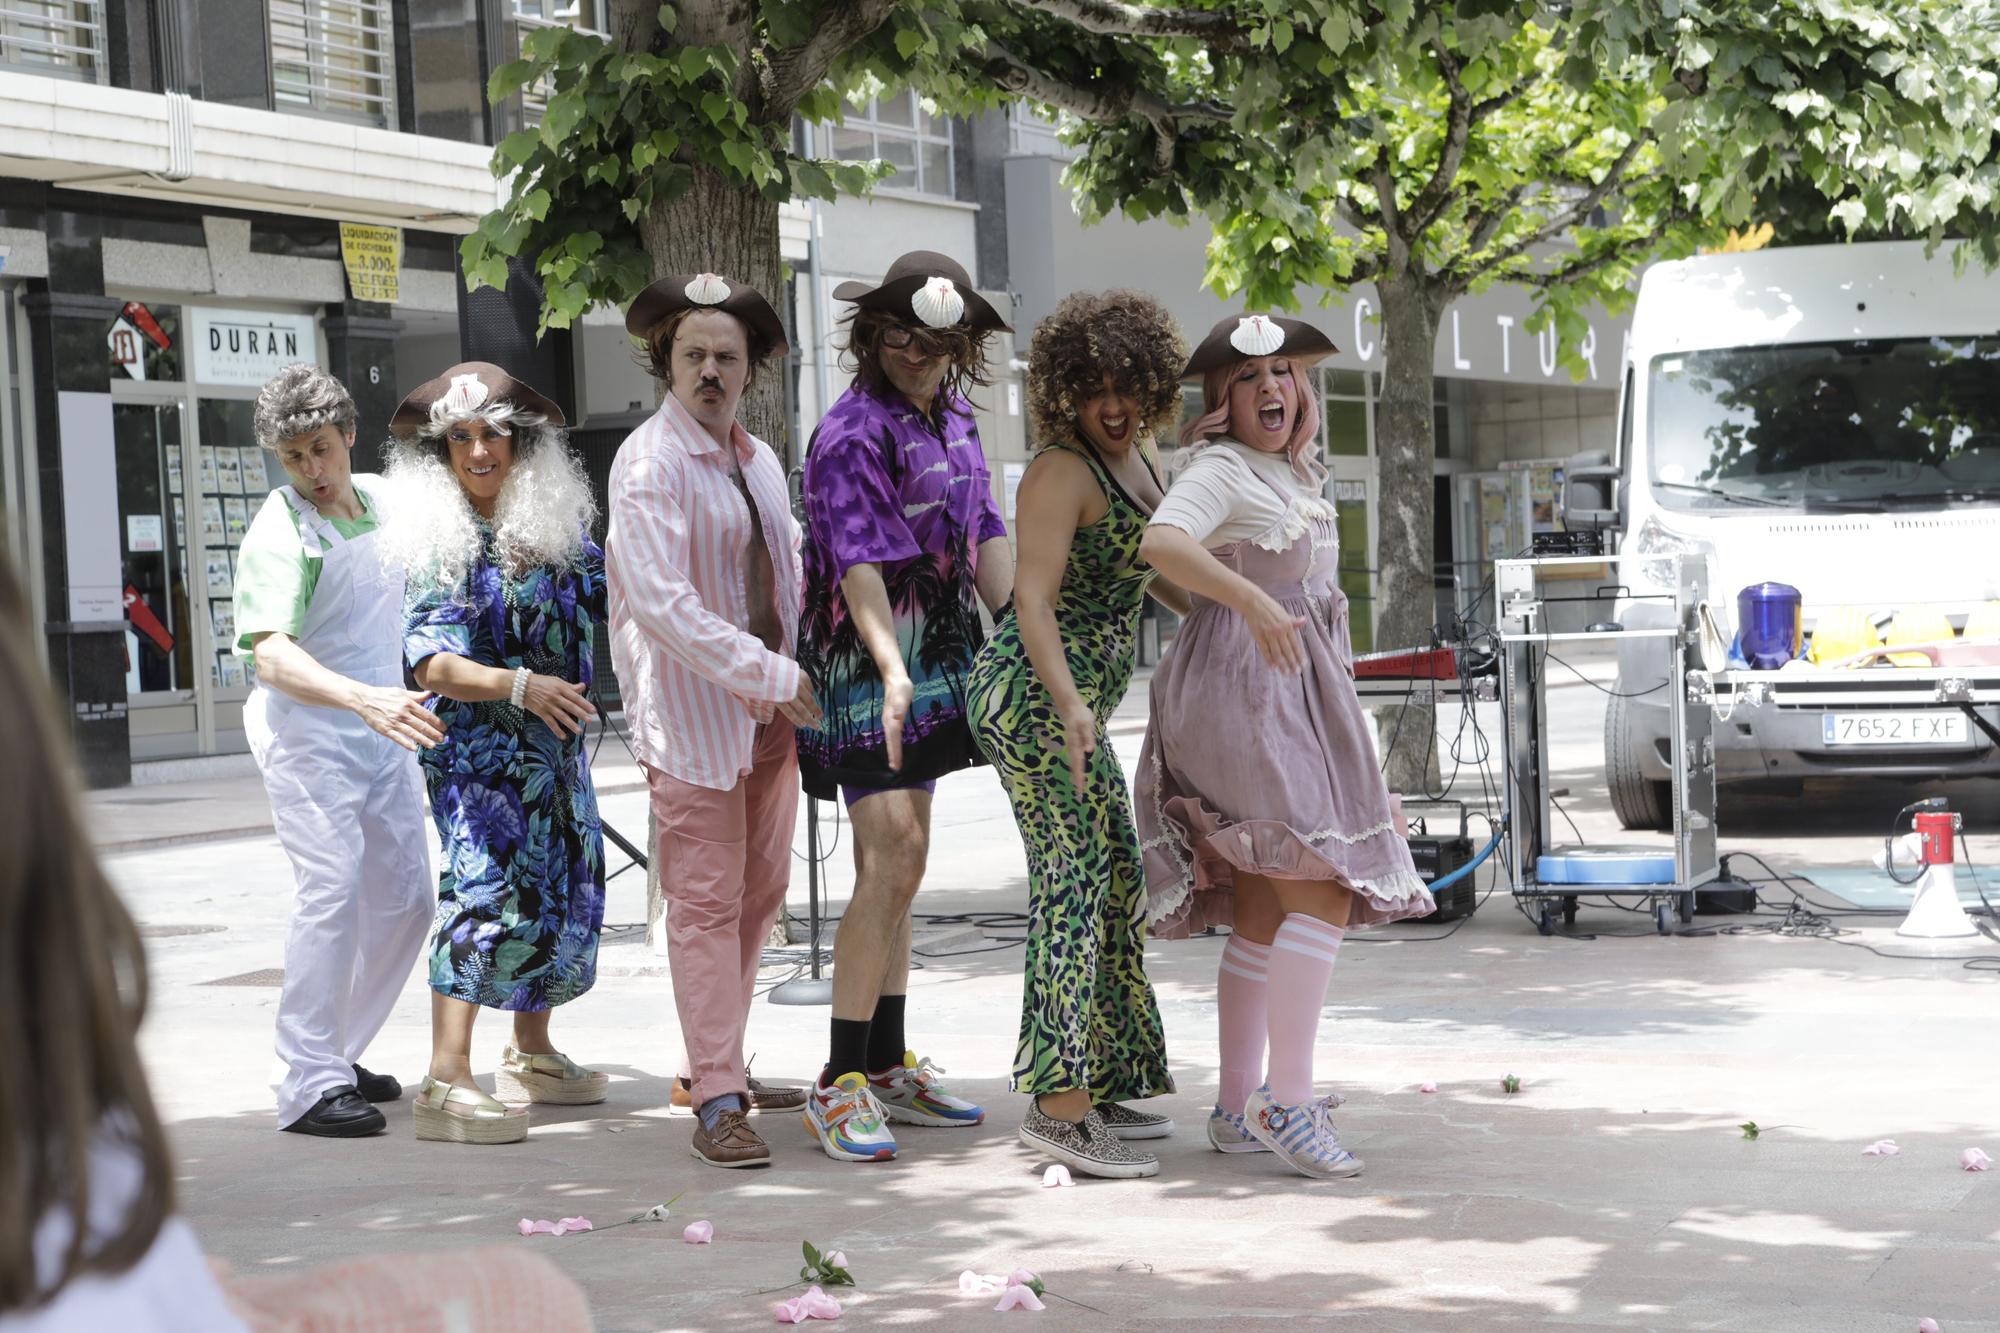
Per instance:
{"type": "Point", "coordinates": [1226, 1133]}
{"type": "Point", "coordinates": [1302, 1135]}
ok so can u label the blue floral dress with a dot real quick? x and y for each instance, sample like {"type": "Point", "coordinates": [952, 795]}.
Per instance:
{"type": "Point", "coordinates": [521, 887]}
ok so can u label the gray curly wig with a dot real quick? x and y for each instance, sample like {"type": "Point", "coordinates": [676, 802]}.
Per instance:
{"type": "Point", "coordinates": [297, 401]}
{"type": "Point", "coordinates": [544, 512]}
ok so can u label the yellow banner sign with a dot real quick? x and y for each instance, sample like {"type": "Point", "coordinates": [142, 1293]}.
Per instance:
{"type": "Point", "coordinates": [374, 260]}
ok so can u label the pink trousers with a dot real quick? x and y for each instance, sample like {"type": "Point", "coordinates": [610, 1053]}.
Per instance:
{"type": "Point", "coordinates": [725, 861]}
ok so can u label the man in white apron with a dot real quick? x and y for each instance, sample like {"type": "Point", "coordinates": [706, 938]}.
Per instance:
{"type": "Point", "coordinates": [334, 733]}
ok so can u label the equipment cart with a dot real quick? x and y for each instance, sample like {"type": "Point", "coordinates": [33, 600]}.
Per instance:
{"type": "Point", "coordinates": [1547, 878]}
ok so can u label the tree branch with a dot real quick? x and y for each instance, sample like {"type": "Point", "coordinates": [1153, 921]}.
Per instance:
{"type": "Point", "coordinates": [1112, 19]}
{"type": "Point", "coordinates": [1109, 102]}
{"type": "Point", "coordinates": [1500, 101]}
{"type": "Point", "coordinates": [1572, 216]}
{"type": "Point", "coordinates": [1610, 254]}
{"type": "Point", "coordinates": [1435, 197]}
{"type": "Point", "coordinates": [795, 71]}
{"type": "Point", "coordinates": [1480, 225]}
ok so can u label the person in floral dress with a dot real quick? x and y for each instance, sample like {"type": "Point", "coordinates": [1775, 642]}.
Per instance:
{"type": "Point", "coordinates": [505, 593]}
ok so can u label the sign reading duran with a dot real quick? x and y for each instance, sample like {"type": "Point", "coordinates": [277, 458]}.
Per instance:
{"type": "Point", "coordinates": [247, 347]}
{"type": "Point", "coordinates": [374, 260]}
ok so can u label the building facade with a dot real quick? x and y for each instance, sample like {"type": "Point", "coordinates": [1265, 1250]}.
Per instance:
{"type": "Point", "coordinates": [195, 192]}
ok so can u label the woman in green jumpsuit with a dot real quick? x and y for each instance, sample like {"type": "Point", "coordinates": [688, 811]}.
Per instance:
{"type": "Point", "coordinates": [1102, 379]}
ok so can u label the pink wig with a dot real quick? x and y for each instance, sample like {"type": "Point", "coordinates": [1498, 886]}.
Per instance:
{"type": "Point", "coordinates": [1303, 446]}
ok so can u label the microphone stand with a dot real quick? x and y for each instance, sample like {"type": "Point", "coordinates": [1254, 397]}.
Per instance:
{"type": "Point", "coordinates": [812, 988]}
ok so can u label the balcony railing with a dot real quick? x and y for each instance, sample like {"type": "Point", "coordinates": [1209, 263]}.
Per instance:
{"type": "Point", "coordinates": [59, 37]}
{"type": "Point", "coordinates": [335, 57]}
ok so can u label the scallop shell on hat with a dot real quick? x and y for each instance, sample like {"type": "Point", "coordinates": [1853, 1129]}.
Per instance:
{"type": "Point", "coordinates": [707, 289]}
{"type": "Point", "coordinates": [1256, 335]}
{"type": "Point", "coordinates": [467, 393]}
{"type": "Point", "coordinates": [938, 303]}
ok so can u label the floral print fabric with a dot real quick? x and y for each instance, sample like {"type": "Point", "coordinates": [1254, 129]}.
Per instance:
{"type": "Point", "coordinates": [521, 884]}
{"type": "Point", "coordinates": [885, 486]}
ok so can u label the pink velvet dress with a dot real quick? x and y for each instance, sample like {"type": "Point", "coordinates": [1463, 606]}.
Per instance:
{"type": "Point", "coordinates": [1247, 770]}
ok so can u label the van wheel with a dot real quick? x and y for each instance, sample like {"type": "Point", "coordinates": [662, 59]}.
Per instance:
{"type": "Point", "coordinates": [1639, 802]}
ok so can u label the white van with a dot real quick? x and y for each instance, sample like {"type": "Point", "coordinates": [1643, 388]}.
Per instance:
{"type": "Point", "coordinates": [1821, 416]}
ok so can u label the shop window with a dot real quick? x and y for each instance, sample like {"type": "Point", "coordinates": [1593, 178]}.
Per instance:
{"type": "Point", "coordinates": [64, 38]}
{"type": "Point", "coordinates": [900, 131]}
{"type": "Point", "coordinates": [586, 16]}
{"type": "Point", "coordinates": [334, 57]}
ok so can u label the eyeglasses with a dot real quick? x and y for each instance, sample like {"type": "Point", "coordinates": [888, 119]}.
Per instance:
{"type": "Point", "coordinates": [932, 342]}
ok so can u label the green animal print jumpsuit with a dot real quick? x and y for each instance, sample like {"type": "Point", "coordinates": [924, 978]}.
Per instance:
{"type": "Point", "coordinates": [1088, 1016]}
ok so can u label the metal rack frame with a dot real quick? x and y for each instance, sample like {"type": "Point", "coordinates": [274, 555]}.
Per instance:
{"type": "Point", "coordinates": [1524, 723]}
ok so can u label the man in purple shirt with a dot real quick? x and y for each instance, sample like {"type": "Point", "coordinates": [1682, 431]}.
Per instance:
{"type": "Point", "coordinates": [902, 536]}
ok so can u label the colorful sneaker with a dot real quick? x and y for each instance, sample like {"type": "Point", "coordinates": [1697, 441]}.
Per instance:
{"type": "Point", "coordinates": [1091, 1147]}
{"type": "Point", "coordinates": [847, 1121]}
{"type": "Point", "coordinates": [1302, 1135]}
{"type": "Point", "coordinates": [1227, 1134]}
{"type": "Point", "coordinates": [1130, 1123]}
{"type": "Point", "coordinates": [909, 1095]}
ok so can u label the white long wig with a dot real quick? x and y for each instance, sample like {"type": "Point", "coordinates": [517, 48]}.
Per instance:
{"type": "Point", "coordinates": [544, 511]}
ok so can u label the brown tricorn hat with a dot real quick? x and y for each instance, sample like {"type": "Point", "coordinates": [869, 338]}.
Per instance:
{"type": "Point", "coordinates": [934, 288]}
{"type": "Point", "coordinates": [1240, 337]}
{"type": "Point", "coordinates": [466, 387]}
{"type": "Point", "coordinates": [696, 291]}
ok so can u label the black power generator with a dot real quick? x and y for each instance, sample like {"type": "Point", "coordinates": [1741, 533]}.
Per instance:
{"type": "Point", "coordinates": [1438, 853]}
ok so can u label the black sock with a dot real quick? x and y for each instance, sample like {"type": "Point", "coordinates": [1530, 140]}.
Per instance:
{"type": "Point", "coordinates": [849, 1051]}
{"type": "Point", "coordinates": [886, 1042]}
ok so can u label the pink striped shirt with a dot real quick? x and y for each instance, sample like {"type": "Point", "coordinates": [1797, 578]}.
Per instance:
{"type": "Point", "coordinates": [696, 683]}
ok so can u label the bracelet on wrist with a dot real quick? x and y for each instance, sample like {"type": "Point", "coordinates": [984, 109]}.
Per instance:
{"type": "Point", "coordinates": [520, 690]}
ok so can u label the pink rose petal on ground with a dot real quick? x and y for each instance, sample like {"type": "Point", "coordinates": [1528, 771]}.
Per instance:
{"type": "Point", "coordinates": [1975, 1159]}
{"type": "Point", "coordinates": [815, 1304]}
{"type": "Point", "coordinates": [1927, 1326]}
{"type": "Point", "coordinates": [529, 1228]}
{"type": "Point", "coordinates": [1427, 1087]}
{"type": "Point", "coordinates": [1019, 1298]}
{"type": "Point", "coordinates": [698, 1233]}
{"type": "Point", "coordinates": [819, 1305]}
{"type": "Point", "coordinates": [569, 1224]}
{"type": "Point", "coordinates": [1056, 1177]}
{"type": "Point", "coordinates": [973, 1284]}
{"type": "Point", "coordinates": [1881, 1148]}
{"type": "Point", "coordinates": [1020, 1277]}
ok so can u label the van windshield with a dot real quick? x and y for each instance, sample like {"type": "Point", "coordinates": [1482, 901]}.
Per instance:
{"type": "Point", "coordinates": [1892, 423]}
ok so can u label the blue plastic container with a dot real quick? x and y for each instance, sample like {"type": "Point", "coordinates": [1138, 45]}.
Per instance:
{"type": "Point", "coordinates": [1770, 620]}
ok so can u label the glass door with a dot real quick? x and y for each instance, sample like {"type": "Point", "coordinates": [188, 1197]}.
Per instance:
{"type": "Point", "coordinates": [234, 482]}
{"type": "Point", "coordinates": [163, 638]}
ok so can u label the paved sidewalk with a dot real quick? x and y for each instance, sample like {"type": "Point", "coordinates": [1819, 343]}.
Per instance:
{"type": "Point", "coordinates": [1615, 1191]}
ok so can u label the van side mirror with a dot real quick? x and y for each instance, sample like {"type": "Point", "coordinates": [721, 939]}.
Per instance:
{"type": "Point", "coordinates": [1591, 496]}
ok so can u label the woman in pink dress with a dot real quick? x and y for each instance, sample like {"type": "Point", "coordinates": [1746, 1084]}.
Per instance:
{"type": "Point", "coordinates": [1260, 804]}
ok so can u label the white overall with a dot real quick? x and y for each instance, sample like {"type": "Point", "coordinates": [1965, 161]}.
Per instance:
{"type": "Point", "coordinates": [348, 806]}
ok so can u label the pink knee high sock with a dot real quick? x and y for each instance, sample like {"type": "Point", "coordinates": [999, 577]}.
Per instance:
{"type": "Point", "coordinates": [1302, 955]}
{"type": "Point", "coordinates": [1239, 1012]}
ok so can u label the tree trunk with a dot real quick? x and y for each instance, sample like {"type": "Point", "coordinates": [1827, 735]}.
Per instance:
{"type": "Point", "coordinates": [716, 227]}
{"type": "Point", "coordinates": [1405, 452]}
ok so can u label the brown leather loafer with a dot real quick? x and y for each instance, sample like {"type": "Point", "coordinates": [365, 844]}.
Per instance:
{"type": "Point", "coordinates": [732, 1144]}
{"type": "Point", "coordinates": [773, 1097]}
{"type": "Point", "coordinates": [763, 1097]}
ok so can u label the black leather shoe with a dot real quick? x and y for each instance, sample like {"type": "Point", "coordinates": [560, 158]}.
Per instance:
{"type": "Point", "coordinates": [339, 1114]}
{"type": "Point", "coordinates": [375, 1087]}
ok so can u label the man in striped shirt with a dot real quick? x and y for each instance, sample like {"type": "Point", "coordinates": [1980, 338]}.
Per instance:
{"type": "Point", "coordinates": [702, 563]}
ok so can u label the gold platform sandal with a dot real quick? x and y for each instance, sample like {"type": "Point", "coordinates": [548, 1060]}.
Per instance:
{"type": "Point", "coordinates": [555, 1080]}
{"type": "Point", "coordinates": [447, 1113]}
